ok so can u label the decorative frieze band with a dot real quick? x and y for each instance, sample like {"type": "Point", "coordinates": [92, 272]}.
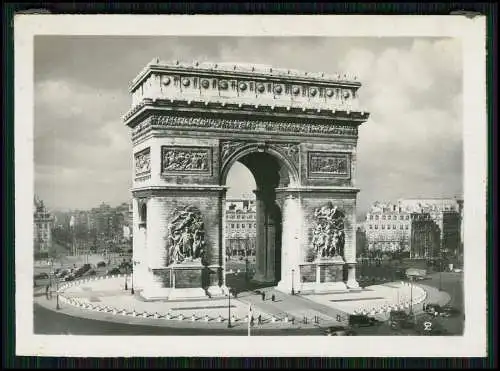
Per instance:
{"type": "Point", "coordinates": [328, 164]}
{"type": "Point", "coordinates": [182, 122]}
{"type": "Point", "coordinates": [186, 160]}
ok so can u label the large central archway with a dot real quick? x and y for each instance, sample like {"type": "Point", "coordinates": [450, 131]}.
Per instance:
{"type": "Point", "coordinates": [272, 173]}
{"type": "Point", "coordinates": [295, 132]}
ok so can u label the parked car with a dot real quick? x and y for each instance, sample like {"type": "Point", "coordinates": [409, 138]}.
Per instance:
{"type": "Point", "coordinates": [433, 308]}
{"type": "Point", "coordinates": [62, 273]}
{"type": "Point", "coordinates": [126, 265]}
{"type": "Point", "coordinates": [362, 320]}
{"type": "Point", "coordinates": [400, 319]}
{"type": "Point", "coordinates": [101, 264]}
{"type": "Point", "coordinates": [41, 276]}
{"type": "Point", "coordinates": [339, 331]}
{"type": "Point", "coordinates": [449, 311]}
{"type": "Point", "coordinates": [113, 271]}
{"type": "Point", "coordinates": [69, 277]}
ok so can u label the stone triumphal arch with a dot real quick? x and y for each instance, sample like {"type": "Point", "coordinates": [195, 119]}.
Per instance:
{"type": "Point", "coordinates": [295, 131]}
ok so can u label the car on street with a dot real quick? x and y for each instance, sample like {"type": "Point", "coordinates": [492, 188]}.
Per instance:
{"type": "Point", "coordinates": [113, 271]}
{"type": "Point", "coordinates": [400, 320]}
{"type": "Point", "coordinates": [101, 264]}
{"type": "Point", "coordinates": [41, 276]}
{"type": "Point", "coordinates": [449, 311]}
{"type": "Point", "coordinates": [62, 273]}
{"type": "Point", "coordinates": [362, 320]}
{"type": "Point", "coordinates": [69, 277]}
{"type": "Point", "coordinates": [433, 309]}
{"type": "Point", "coordinates": [339, 331]}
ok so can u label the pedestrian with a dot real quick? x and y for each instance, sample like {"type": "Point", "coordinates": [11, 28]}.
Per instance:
{"type": "Point", "coordinates": [259, 319]}
{"type": "Point", "coordinates": [293, 320]}
{"type": "Point", "coordinates": [263, 294]}
{"type": "Point", "coordinates": [273, 297]}
{"type": "Point", "coordinates": [47, 291]}
{"type": "Point", "coordinates": [251, 321]}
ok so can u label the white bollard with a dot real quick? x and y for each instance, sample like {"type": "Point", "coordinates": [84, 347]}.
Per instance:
{"type": "Point", "coordinates": [206, 317]}
{"type": "Point", "coordinates": [233, 318]}
{"type": "Point", "coordinates": [134, 313]}
{"type": "Point", "coordinates": [193, 318]}
{"type": "Point", "coordinates": [168, 316]}
{"type": "Point", "coordinates": [219, 319]}
{"type": "Point", "coordinates": [156, 315]}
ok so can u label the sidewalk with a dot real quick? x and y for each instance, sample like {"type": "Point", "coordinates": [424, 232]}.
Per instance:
{"type": "Point", "coordinates": [106, 299]}
{"type": "Point", "coordinates": [293, 306]}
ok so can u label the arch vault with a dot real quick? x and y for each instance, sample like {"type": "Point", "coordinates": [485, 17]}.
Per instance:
{"type": "Point", "coordinates": [296, 132]}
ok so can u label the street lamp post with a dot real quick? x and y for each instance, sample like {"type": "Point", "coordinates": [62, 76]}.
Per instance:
{"type": "Point", "coordinates": [411, 296]}
{"type": "Point", "coordinates": [229, 308]}
{"type": "Point", "coordinates": [57, 294]}
{"type": "Point", "coordinates": [293, 289]}
{"type": "Point", "coordinates": [132, 288]}
{"type": "Point", "coordinates": [126, 273]}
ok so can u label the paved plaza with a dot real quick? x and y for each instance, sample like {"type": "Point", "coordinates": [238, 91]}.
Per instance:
{"type": "Point", "coordinates": [105, 298]}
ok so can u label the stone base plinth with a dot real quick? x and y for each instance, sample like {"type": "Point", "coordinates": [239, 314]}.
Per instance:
{"type": "Point", "coordinates": [217, 291]}
{"type": "Point", "coordinates": [322, 276]}
{"type": "Point", "coordinates": [262, 279]}
{"type": "Point", "coordinates": [177, 281]}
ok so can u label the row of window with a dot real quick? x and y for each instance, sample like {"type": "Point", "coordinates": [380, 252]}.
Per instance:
{"type": "Point", "coordinates": [243, 225]}
{"type": "Point", "coordinates": [251, 216]}
{"type": "Point", "coordinates": [375, 226]}
{"type": "Point", "coordinates": [391, 217]}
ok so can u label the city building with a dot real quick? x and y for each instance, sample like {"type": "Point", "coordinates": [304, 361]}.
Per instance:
{"type": "Point", "coordinates": [361, 241]}
{"type": "Point", "coordinates": [418, 228]}
{"type": "Point", "coordinates": [446, 213]}
{"type": "Point", "coordinates": [240, 231]}
{"type": "Point", "coordinates": [43, 222]}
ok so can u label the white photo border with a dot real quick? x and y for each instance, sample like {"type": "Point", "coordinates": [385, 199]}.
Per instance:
{"type": "Point", "coordinates": [472, 32]}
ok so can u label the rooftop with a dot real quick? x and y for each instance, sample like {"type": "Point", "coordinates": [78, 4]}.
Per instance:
{"type": "Point", "coordinates": [242, 68]}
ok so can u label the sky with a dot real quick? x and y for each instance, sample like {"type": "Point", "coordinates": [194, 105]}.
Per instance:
{"type": "Point", "coordinates": [410, 147]}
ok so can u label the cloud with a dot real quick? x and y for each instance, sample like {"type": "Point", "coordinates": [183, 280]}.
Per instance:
{"type": "Point", "coordinates": [411, 145]}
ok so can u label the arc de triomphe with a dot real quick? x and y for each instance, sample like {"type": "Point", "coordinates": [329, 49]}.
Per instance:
{"type": "Point", "coordinates": [295, 131]}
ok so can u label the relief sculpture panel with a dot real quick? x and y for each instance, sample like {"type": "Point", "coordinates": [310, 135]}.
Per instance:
{"type": "Point", "coordinates": [328, 164]}
{"type": "Point", "coordinates": [186, 236]}
{"type": "Point", "coordinates": [142, 163]}
{"type": "Point", "coordinates": [191, 160]}
{"type": "Point", "coordinates": [328, 236]}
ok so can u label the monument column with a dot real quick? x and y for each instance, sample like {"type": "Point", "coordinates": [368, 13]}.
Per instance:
{"type": "Point", "coordinates": [290, 246]}
{"type": "Point", "coordinates": [350, 252]}
{"type": "Point", "coordinates": [264, 270]}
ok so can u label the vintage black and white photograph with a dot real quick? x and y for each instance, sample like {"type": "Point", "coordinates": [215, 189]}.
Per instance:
{"type": "Point", "coordinates": [185, 182]}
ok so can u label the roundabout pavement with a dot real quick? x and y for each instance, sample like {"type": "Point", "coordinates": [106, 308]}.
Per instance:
{"type": "Point", "coordinates": [105, 299]}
